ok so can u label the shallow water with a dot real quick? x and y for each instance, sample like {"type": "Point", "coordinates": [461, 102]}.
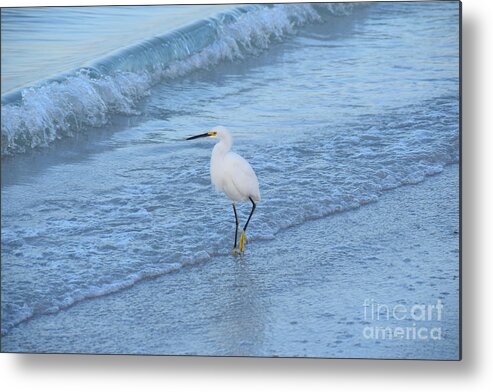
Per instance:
{"type": "Point", "coordinates": [332, 107]}
{"type": "Point", "coordinates": [315, 290]}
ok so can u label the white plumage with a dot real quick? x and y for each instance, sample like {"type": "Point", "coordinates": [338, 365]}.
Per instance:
{"type": "Point", "coordinates": [230, 172]}
{"type": "Point", "coordinates": [233, 175]}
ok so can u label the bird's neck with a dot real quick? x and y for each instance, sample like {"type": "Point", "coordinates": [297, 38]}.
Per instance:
{"type": "Point", "coordinates": [217, 167]}
{"type": "Point", "coordinates": [221, 149]}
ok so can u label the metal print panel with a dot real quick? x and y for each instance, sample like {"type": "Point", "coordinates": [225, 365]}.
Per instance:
{"type": "Point", "coordinates": [232, 180]}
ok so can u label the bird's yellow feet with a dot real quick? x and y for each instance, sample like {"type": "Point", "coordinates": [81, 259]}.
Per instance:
{"type": "Point", "coordinates": [242, 241]}
{"type": "Point", "coordinates": [234, 251]}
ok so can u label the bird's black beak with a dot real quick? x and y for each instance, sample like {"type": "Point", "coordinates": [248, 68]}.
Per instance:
{"type": "Point", "coordinates": [198, 136]}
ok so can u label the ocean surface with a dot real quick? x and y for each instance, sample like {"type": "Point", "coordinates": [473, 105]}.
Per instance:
{"type": "Point", "coordinates": [332, 104]}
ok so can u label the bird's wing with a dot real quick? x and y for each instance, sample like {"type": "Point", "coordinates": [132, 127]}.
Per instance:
{"type": "Point", "coordinates": [242, 175]}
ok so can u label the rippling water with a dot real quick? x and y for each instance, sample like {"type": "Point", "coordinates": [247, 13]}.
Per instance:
{"type": "Point", "coordinates": [40, 42]}
{"type": "Point", "coordinates": [332, 105]}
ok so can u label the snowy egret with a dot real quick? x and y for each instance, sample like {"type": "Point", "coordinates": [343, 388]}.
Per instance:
{"type": "Point", "coordinates": [233, 175]}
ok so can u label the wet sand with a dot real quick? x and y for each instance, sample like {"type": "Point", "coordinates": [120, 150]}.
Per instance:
{"type": "Point", "coordinates": [300, 294]}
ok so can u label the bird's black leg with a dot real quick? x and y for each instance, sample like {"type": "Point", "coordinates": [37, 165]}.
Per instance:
{"type": "Point", "coordinates": [243, 235]}
{"type": "Point", "coordinates": [251, 213]}
{"type": "Point", "coordinates": [236, 229]}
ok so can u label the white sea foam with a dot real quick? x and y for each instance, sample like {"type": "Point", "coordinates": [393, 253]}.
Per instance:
{"type": "Point", "coordinates": [91, 227]}
{"type": "Point", "coordinates": [88, 97]}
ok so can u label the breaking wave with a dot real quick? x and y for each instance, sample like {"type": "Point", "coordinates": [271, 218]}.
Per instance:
{"type": "Point", "coordinates": [87, 97]}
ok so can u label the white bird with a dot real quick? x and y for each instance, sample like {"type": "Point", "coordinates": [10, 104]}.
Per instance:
{"type": "Point", "coordinates": [233, 175]}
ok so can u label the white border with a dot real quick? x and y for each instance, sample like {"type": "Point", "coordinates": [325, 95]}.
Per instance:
{"type": "Point", "coordinates": [116, 373]}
